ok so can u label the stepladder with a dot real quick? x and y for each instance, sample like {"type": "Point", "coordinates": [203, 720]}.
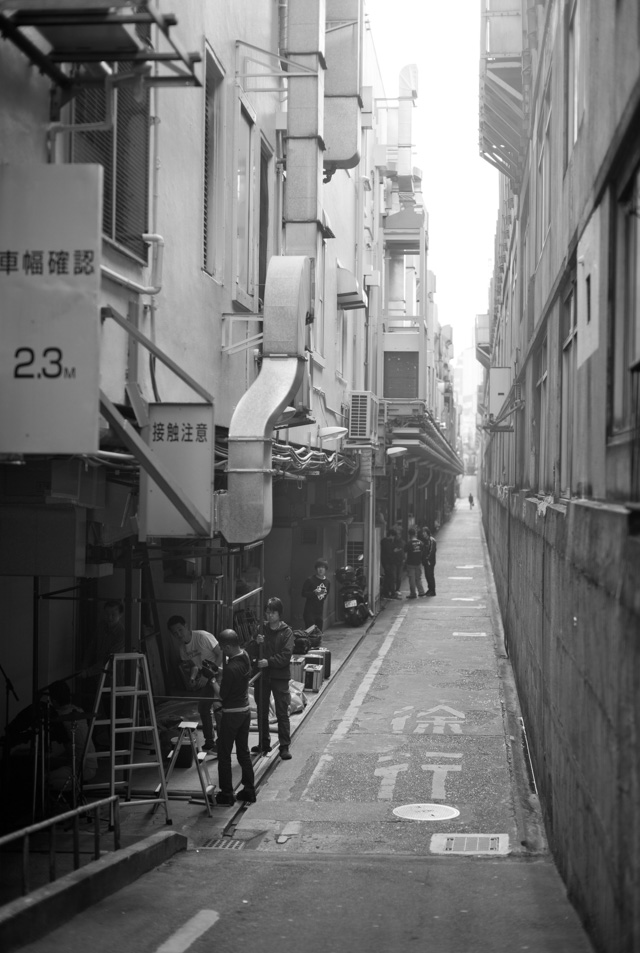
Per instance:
{"type": "Point", "coordinates": [187, 734]}
{"type": "Point", "coordinates": [124, 712]}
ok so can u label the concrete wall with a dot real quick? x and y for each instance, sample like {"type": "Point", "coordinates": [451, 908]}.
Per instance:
{"type": "Point", "coordinates": [567, 584]}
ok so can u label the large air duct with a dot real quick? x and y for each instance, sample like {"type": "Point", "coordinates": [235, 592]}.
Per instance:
{"type": "Point", "coordinates": [244, 514]}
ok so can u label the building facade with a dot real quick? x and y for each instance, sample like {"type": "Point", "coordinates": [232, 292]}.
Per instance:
{"type": "Point", "coordinates": [254, 319]}
{"type": "Point", "coordinates": [560, 478]}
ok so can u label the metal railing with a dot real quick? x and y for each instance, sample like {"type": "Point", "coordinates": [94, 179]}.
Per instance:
{"type": "Point", "coordinates": [72, 817]}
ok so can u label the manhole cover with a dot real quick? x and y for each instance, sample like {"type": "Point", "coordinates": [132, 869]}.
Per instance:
{"type": "Point", "coordinates": [425, 812]}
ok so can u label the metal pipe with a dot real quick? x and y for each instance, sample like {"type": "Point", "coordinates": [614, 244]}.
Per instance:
{"type": "Point", "coordinates": [156, 269]}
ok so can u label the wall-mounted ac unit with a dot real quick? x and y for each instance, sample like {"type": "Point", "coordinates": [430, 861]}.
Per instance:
{"type": "Point", "coordinates": [363, 418]}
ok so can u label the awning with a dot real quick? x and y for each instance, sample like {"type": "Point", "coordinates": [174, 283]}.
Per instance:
{"type": "Point", "coordinates": [431, 447]}
{"type": "Point", "coordinates": [350, 295]}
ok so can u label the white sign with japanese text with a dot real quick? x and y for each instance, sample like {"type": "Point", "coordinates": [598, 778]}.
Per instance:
{"type": "Point", "coordinates": [183, 437]}
{"type": "Point", "coordinates": [50, 243]}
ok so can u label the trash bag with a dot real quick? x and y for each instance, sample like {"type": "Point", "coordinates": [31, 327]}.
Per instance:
{"type": "Point", "coordinates": [302, 642]}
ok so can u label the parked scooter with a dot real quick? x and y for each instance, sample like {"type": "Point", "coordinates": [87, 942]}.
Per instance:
{"type": "Point", "coordinates": [353, 599]}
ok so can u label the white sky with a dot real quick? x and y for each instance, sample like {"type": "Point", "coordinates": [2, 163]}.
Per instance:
{"type": "Point", "coordinates": [460, 189]}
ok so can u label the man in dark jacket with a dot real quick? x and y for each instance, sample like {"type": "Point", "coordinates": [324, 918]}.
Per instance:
{"type": "Point", "coordinates": [429, 559]}
{"type": "Point", "coordinates": [235, 720]}
{"type": "Point", "coordinates": [413, 550]}
{"type": "Point", "coordinates": [271, 652]}
{"type": "Point", "coordinates": [315, 590]}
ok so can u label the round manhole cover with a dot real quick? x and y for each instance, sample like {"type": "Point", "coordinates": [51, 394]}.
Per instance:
{"type": "Point", "coordinates": [426, 812]}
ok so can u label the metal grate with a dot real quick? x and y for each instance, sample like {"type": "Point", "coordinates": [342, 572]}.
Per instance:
{"type": "Point", "coordinates": [359, 425]}
{"type": "Point", "coordinates": [470, 844]}
{"type": "Point", "coordinates": [226, 843]}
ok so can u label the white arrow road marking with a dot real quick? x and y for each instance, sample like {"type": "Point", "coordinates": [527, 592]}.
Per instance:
{"type": "Point", "coordinates": [389, 775]}
{"type": "Point", "coordinates": [186, 936]}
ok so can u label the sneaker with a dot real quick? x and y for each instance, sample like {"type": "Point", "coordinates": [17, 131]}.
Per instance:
{"type": "Point", "coordinates": [258, 749]}
{"type": "Point", "coordinates": [423, 594]}
{"type": "Point", "coordinates": [285, 754]}
{"type": "Point", "coordinates": [412, 597]}
{"type": "Point", "coordinates": [210, 746]}
{"type": "Point", "coordinates": [247, 797]}
{"type": "Point", "coordinates": [228, 800]}
{"type": "Point", "coordinates": [431, 593]}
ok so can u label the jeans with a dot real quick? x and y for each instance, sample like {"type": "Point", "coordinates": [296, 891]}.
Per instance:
{"type": "Point", "coordinates": [313, 617]}
{"type": "Point", "coordinates": [279, 688]}
{"type": "Point", "coordinates": [208, 717]}
{"type": "Point", "coordinates": [430, 576]}
{"type": "Point", "coordinates": [234, 727]}
{"type": "Point", "coordinates": [415, 579]}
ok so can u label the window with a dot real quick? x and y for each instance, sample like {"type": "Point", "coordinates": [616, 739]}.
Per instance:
{"type": "Point", "coordinates": [544, 169]}
{"type": "Point", "coordinates": [213, 223]}
{"type": "Point", "coordinates": [123, 153]}
{"type": "Point", "coordinates": [625, 349]}
{"type": "Point", "coordinates": [574, 82]}
{"type": "Point", "coordinates": [401, 374]}
{"type": "Point", "coordinates": [244, 197]}
{"type": "Point", "coordinates": [263, 225]}
{"type": "Point", "coordinates": [568, 341]}
{"type": "Point", "coordinates": [540, 419]}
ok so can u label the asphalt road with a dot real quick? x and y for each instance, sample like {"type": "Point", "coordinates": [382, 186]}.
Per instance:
{"type": "Point", "coordinates": [424, 713]}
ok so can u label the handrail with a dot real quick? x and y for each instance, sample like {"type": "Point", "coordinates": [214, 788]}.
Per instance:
{"type": "Point", "coordinates": [25, 833]}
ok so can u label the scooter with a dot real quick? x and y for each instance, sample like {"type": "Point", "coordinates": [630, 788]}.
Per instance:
{"type": "Point", "coordinates": [353, 600]}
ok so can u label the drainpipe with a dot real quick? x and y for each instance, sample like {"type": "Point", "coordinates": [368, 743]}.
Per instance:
{"type": "Point", "coordinates": [157, 260]}
{"type": "Point", "coordinates": [244, 514]}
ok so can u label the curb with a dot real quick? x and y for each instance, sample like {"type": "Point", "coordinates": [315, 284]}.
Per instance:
{"type": "Point", "coordinates": [41, 911]}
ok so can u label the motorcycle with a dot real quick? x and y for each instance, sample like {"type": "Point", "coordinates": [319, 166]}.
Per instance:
{"type": "Point", "coordinates": [353, 599]}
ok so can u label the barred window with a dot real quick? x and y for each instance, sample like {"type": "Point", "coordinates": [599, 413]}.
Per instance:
{"type": "Point", "coordinates": [123, 153]}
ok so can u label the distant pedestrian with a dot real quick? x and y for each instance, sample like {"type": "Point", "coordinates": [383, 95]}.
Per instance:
{"type": "Point", "coordinates": [235, 720]}
{"type": "Point", "coordinates": [315, 590]}
{"type": "Point", "coordinates": [413, 550]}
{"type": "Point", "coordinates": [471, 501]}
{"type": "Point", "coordinates": [430, 547]}
{"type": "Point", "coordinates": [398, 558]}
{"type": "Point", "coordinates": [387, 561]}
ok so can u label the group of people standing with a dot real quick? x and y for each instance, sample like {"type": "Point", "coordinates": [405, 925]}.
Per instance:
{"type": "Point", "coordinates": [415, 555]}
{"type": "Point", "coordinates": [219, 671]}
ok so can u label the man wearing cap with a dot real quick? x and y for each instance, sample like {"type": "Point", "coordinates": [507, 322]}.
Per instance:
{"type": "Point", "coordinates": [235, 720]}
{"type": "Point", "coordinates": [271, 653]}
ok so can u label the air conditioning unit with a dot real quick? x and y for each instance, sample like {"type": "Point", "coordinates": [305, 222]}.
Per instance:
{"type": "Point", "coordinates": [363, 418]}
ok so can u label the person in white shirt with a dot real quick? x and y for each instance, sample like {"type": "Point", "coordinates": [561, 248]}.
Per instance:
{"type": "Point", "coordinates": [200, 662]}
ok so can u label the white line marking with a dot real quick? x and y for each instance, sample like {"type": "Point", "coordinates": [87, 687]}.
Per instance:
{"type": "Point", "coordinates": [471, 635]}
{"type": "Point", "coordinates": [353, 709]}
{"type": "Point", "coordinates": [470, 566]}
{"type": "Point", "coordinates": [460, 577]}
{"type": "Point", "coordinates": [464, 599]}
{"type": "Point", "coordinates": [189, 932]}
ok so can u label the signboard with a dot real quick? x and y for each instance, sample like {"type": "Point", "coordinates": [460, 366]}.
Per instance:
{"type": "Point", "coordinates": [50, 244]}
{"type": "Point", "coordinates": [499, 387]}
{"type": "Point", "coordinates": [183, 437]}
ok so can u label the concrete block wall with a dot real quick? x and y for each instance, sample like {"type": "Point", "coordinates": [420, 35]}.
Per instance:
{"type": "Point", "coordinates": [567, 581]}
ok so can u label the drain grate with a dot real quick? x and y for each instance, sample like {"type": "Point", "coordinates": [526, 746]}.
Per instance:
{"type": "Point", "coordinates": [426, 812]}
{"type": "Point", "coordinates": [470, 844]}
{"type": "Point", "coordinates": [226, 843]}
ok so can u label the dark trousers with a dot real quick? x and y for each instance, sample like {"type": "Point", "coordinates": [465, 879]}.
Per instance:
{"type": "Point", "coordinates": [207, 716]}
{"type": "Point", "coordinates": [234, 727]}
{"type": "Point", "coordinates": [312, 617]}
{"type": "Point", "coordinates": [279, 688]}
{"type": "Point", "coordinates": [389, 580]}
{"type": "Point", "coordinates": [430, 576]}
{"type": "Point", "coordinates": [398, 576]}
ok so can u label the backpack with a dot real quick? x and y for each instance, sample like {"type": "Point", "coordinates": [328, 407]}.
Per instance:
{"type": "Point", "coordinates": [302, 642]}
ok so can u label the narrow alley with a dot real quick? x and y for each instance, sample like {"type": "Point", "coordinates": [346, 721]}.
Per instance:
{"type": "Point", "coordinates": [406, 817]}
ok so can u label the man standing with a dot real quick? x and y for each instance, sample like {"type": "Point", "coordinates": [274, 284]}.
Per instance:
{"type": "Point", "coordinates": [387, 551]}
{"type": "Point", "coordinates": [271, 651]}
{"type": "Point", "coordinates": [413, 551]}
{"type": "Point", "coordinates": [315, 590]}
{"type": "Point", "coordinates": [200, 660]}
{"type": "Point", "coordinates": [429, 559]}
{"type": "Point", "coordinates": [235, 721]}
{"type": "Point", "coordinates": [398, 558]}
